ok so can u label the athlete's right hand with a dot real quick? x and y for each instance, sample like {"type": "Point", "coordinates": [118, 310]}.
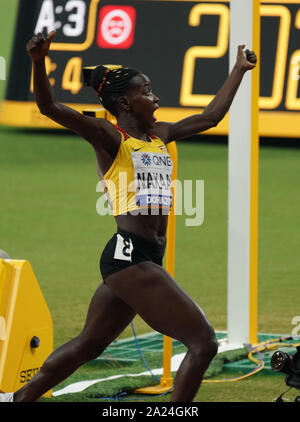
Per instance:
{"type": "Point", "coordinates": [38, 47]}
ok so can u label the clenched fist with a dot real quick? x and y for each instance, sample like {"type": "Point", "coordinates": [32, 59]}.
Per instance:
{"type": "Point", "coordinates": [247, 59]}
{"type": "Point", "coordinates": [38, 47]}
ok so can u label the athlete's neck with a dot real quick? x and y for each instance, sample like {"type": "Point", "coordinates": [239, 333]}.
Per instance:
{"type": "Point", "coordinates": [133, 128]}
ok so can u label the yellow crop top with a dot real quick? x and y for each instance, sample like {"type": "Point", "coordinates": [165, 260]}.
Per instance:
{"type": "Point", "coordinates": [140, 176]}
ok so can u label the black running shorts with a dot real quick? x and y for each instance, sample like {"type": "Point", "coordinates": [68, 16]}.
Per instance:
{"type": "Point", "coordinates": [125, 249]}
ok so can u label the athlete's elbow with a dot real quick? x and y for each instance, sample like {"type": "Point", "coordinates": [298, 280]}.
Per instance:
{"type": "Point", "coordinates": [213, 122]}
{"type": "Point", "coordinates": [212, 119]}
{"type": "Point", "coordinates": [46, 109]}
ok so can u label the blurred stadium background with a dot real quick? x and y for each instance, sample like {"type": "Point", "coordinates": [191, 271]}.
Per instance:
{"type": "Point", "coordinates": [48, 216]}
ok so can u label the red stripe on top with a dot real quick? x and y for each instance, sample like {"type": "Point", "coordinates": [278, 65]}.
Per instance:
{"type": "Point", "coordinates": [126, 136]}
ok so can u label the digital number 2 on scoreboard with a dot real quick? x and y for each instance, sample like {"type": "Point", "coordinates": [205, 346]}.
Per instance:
{"type": "Point", "coordinates": [74, 21]}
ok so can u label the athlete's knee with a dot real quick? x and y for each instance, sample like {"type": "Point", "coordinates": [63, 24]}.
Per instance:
{"type": "Point", "coordinates": [211, 347]}
{"type": "Point", "coordinates": [204, 347]}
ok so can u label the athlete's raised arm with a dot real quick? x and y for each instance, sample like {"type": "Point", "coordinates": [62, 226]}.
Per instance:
{"type": "Point", "coordinates": [94, 130]}
{"type": "Point", "coordinates": [217, 108]}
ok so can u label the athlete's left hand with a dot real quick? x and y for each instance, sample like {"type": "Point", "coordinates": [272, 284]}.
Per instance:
{"type": "Point", "coordinates": [247, 59]}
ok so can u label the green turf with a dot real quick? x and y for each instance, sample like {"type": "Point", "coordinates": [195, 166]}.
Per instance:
{"type": "Point", "coordinates": [48, 216]}
{"type": "Point", "coordinates": [227, 368]}
{"type": "Point", "coordinates": [111, 389]}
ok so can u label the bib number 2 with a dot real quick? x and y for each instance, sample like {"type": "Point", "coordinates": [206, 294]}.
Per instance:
{"type": "Point", "coordinates": [123, 248]}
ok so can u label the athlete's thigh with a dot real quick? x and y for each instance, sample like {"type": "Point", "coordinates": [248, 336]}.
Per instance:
{"type": "Point", "coordinates": [107, 317]}
{"type": "Point", "coordinates": [161, 302]}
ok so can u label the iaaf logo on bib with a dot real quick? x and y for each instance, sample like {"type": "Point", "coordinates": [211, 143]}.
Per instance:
{"type": "Point", "coordinates": [146, 159]}
{"type": "Point", "coordinates": [116, 27]}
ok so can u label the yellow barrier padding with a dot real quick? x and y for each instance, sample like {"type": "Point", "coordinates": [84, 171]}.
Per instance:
{"type": "Point", "coordinates": [100, 113]}
{"type": "Point", "coordinates": [26, 329]}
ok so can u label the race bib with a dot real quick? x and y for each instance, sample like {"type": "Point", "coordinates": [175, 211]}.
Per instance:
{"type": "Point", "coordinates": [124, 248]}
{"type": "Point", "coordinates": [153, 177]}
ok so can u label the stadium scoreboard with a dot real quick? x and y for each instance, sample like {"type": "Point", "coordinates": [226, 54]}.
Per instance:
{"type": "Point", "coordinates": [181, 45]}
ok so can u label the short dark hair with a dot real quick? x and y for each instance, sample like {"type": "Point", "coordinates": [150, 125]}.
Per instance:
{"type": "Point", "coordinates": [111, 84]}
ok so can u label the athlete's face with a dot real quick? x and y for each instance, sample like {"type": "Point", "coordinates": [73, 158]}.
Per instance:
{"type": "Point", "coordinates": [142, 101]}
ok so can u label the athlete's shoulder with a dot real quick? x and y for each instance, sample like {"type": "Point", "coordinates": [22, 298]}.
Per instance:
{"type": "Point", "coordinates": [105, 133]}
{"type": "Point", "coordinates": [161, 130]}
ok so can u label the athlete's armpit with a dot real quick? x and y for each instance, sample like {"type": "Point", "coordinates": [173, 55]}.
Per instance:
{"type": "Point", "coordinates": [99, 132]}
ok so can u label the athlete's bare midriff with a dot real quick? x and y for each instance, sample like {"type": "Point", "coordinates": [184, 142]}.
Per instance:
{"type": "Point", "coordinates": [152, 227]}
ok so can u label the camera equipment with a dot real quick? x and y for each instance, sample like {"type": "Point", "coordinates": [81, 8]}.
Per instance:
{"type": "Point", "coordinates": [289, 364]}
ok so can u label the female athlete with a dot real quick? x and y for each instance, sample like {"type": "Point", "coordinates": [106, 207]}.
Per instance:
{"type": "Point", "coordinates": [134, 281]}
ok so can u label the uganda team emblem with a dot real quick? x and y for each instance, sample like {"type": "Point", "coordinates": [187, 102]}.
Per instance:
{"type": "Point", "coordinates": [162, 148]}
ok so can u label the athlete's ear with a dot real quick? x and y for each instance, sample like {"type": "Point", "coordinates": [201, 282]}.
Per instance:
{"type": "Point", "coordinates": [123, 103]}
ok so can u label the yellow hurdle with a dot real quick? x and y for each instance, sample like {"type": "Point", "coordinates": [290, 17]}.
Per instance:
{"type": "Point", "coordinates": [26, 329]}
